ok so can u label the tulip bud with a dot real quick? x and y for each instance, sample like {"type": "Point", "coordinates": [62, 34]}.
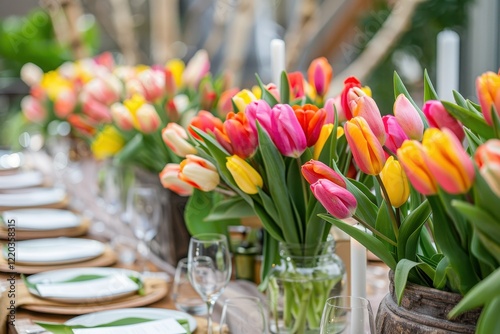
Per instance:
{"type": "Point", "coordinates": [147, 118]}
{"type": "Point", "coordinates": [207, 93]}
{"type": "Point", "coordinates": [153, 84]}
{"type": "Point", "coordinates": [33, 110]}
{"type": "Point", "coordinates": [319, 75]}
{"type": "Point", "coordinates": [169, 178]}
{"type": "Point", "coordinates": [196, 69]}
{"type": "Point", "coordinates": [315, 170]}
{"type": "Point", "coordinates": [273, 89]}
{"type": "Point", "coordinates": [199, 173]}
{"type": "Point", "coordinates": [332, 105]}
{"type": "Point", "coordinates": [261, 111]}
{"type": "Point", "coordinates": [65, 103]}
{"type": "Point", "coordinates": [438, 117]}
{"type": "Point", "coordinates": [488, 92]}
{"type": "Point", "coordinates": [31, 74]}
{"type": "Point", "coordinates": [338, 201]}
{"type": "Point", "coordinates": [487, 157]}
{"type": "Point", "coordinates": [395, 134]}
{"type": "Point", "coordinates": [349, 83]}
{"type": "Point", "coordinates": [411, 156]}
{"type": "Point", "coordinates": [225, 104]}
{"type": "Point", "coordinates": [365, 147]}
{"type": "Point", "coordinates": [448, 161]}
{"type": "Point", "coordinates": [245, 176]}
{"type": "Point", "coordinates": [408, 117]}
{"type": "Point", "coordinates": [122, 117]}
{"type": "Point", "coordinates": [175, 137]}
{"type": "Point", "coordinates": [366, 107]}
{"type": "Point", "coordinates": [395, 182]}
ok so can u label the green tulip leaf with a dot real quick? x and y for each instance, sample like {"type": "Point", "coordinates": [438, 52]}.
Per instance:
{"type": "Point", "coordinates": [484, 197]}
{"type": "Point", "coordinates": [384, 225]}
{"type": "Point", "coordinates": [442, 270]}
{"type": "Point", "coordinates": [400, 88]}
{"type": "Point", "coordinates": [366, 239]}
{"type": "Point", "coordinates": [479, 218]}
{"type": "Point", "coordinates": [403, 272]}
{"type": "Point", "coordinates": [487, 261]}
{"type": "Point", "coordinates": [265, 94]}
{"type": "Point", "coordinates": [488, 321]}
{"type": "Point", "coordinates": [409, 232]}
{"type": "Point", "coordinates": [479, 295]}
{"type": "Point", "coordinates": [284, 88]}
{"type": "Point", "coordinates": [231, 208]}
{"type": "Point", "coordinates": [429, 91]}
{"type": "Point", "coordinates": [128, 152]}
{"type": "Point", "coordinates": [459, 99]}
{"type": "Point", "coordinates": [474, 122]}
{"type": "Point", "coordinates": [473, 140]}
{"type": "Point", "coordinates": [496, 121]}
{"type": "Point", "coordinates": [426, 244]}
{"type": "Point", "coordinates": [474, 107]}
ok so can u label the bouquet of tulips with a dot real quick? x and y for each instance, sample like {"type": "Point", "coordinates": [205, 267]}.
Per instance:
{"type": "Point", "coordinates": [430, 213]}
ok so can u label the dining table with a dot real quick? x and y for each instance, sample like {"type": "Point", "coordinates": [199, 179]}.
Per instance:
{"type": "Point", "coordinates": [105, 228]}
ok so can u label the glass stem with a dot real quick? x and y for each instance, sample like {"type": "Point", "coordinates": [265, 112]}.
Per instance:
{"type": "Point", "coordinates": [143, 250]}
{"type": "Point", "coordinates": [210, 311]}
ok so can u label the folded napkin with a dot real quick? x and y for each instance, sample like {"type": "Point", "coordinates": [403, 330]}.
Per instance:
{"type": "Point", "coordinates": [102, 287]}
{"type": "Point", "coordinates": [42, 219]}
{"type": "Point", "coordinates": [33, 197]}
{"type": "Point", "coordinates": [124, 326]}
{"type": "Point", "coordinates": [21, 180]}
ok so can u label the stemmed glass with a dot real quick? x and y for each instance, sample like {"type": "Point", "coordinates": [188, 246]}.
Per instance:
{"type": "Point", "coordinates": [209, 268]}
{"type": "Point", "coordinates": [243, 315]}
{"type": "Point", "coordinates": [144, 210]}
{"type": "Point", "coordinates": [344, 314]}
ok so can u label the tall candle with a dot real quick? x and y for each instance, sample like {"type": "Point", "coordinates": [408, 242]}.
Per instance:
{"type": "Point", "coordinates": [277, 60]}
{"type": "Point", "coordinates": [358, 269]}
{"type": "Point", "coordinates": [448, 64]}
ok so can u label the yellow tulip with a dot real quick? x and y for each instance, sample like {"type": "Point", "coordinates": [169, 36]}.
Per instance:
{"type": "Point", "coordinates": [107, 143]}
{"type": "Point", "coordinates": [395, 182]}
{"type": "Point", "coordinates": [243, 98]}
{"type": "Point", "coordinates": [176, 67]}
{"type": "Point", "coordinates": [246, 177]}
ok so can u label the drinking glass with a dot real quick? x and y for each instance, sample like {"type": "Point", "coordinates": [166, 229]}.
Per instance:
{"type": "Point", "coordinates": [344, 314]}
{"type": "Point", "coordinates": [185, 298]}
{"type": "Point", "coordinates": [243, 315]}
{"type": "Point", "coordinates": [209, 268]}
{"type": "Point", "coordinates": [144, 209]}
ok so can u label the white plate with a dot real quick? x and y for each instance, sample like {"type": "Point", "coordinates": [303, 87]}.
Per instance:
{"type": "Point", "coordinates": [10, 161]}
{"type": "Point", "coordinates": [32, 197]}
{"type": "Point", "coordinates": [22, 179]}
{"type": "Point", "coordinates": [52, 251]}
{"type": "Point", "coordinates": [53, 285]}
{"type": "Point", "coordinates": [42, 219]}
{"type": "Point", "coordinates": [104, 317]}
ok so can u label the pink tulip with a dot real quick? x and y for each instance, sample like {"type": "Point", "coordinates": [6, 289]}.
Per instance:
{"type": "Point", "coordinates": [319, 75]}
{"type": "Point", "coordinates": [395, 134]}
{"type": "Point", "coordinates": [169, 178]}
{"type": "Point", "coordinates": [105, 89]}
{"type": "Point", "coordinates": [33, 109]}
{"type": "Point", "coordinates": [438, 117]}
{"type": "Point", "coordinates": [196, 69]}
{"type": "Point", "coordinates": [122, 116]}
{"type": "Point", "coordinates": [199, 173]}
{"type": "Point", "coordinates": [153, 84]}
{"type": "Point", "coordinates": [366, 107]}
{"type": "Point", "coordinates": [96, 110]}
{"type": "Point", "coordinates": [332, 105]}
{"type": "Point", "coordinates": [487, 157]}
{"type": "Point", "coordinates": [176, 138]}
{"type": "Point", "coordinates": [338, 201]}
{"type": "Point", "coordinates": [488, 92]}
{"type": "Point", "coordinates": [408, 118]}
{"type": "Point", "coordinates": [296, 81]}
{"type": "Point", "coordinates": [315, 170]}
{"type": "Point", "coordinates": [286, 131]}
{"type": "Point", "coordinates": [105, 59]}
{"type": "Point", "coordinates": [147, 118]}
{"type": "Point", "coordinates": [170, 84]}
{"type": "Point", "coordinates": [273, 89]}
{"type": "Point", "coordinates": [261, 111]}
{"type": "Point", "coordinates": [65, 103]}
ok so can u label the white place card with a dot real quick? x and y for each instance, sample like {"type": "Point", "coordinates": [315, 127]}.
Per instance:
{"type": "Point", "coordinates": [101, 287]}
{"type": "Point", "coordinates": [165, 326]}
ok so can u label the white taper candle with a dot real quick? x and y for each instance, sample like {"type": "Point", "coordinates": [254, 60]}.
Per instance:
{"type": "Point", "coordinates": [277, 60]}
{"type": "Point", "coordinates": [448, 64]}
{"type": "Point", "coordinates": [358, 269]}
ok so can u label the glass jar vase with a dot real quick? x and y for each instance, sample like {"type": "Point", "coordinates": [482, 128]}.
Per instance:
{"type": "Point", "coordinates": [299, 285]}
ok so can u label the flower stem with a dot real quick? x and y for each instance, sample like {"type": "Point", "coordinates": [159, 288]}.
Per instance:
{"type": "Point", "coordinates": [395, 221]}
{"type": "Point", "coordinates": [374, 231]}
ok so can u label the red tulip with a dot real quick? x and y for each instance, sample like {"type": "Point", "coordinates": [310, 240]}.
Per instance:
{"type": "Point", "coordinates": [311, 119]}
{"type": "Point", "coordinates": [237, 137]}
{"type": "Point", "coordinates": [206, 122]}
{"type": "Point", "coordinates": [344, 100]}
{"type": "Point", "coordinates": [338, 201]}
{"type": "Point", "coordinates": [438, 117]}
{"type": "Point", "coordinates": [296, 81]}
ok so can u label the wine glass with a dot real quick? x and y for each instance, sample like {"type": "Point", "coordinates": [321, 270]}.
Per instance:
{"type": "Point", "coordinates": [243, 315]}
{"type": "Point", "coordinates": [144, 210]}
{"type": "Point", "coordinates": [209, 268]}
{"type": "Point", "coordinates": [344, 314]}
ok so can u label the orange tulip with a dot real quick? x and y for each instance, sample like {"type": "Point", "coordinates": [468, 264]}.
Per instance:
{"type": "Point", "coordinates": [488, 159]}
{"type": "Point", "coordinates": [206, 122]}
{"type": "Point", "coordinates": [411, 156]}
{"type": "Point", "coordinates": [488, 92]}
{"type": "Point", "coordinates": [311, 119]}
{"type": "Point", "coordinates": [199, 173]}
